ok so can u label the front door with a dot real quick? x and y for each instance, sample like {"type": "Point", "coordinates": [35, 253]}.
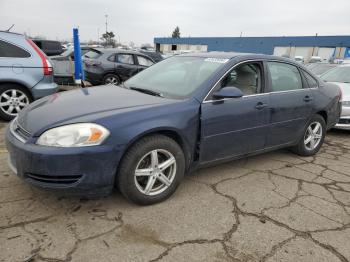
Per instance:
{"type": "Point", "coordinates": [236, 126]}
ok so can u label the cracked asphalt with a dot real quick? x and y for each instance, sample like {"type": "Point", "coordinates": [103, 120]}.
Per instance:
{"type": "Point", "coordinates": [272, 207]}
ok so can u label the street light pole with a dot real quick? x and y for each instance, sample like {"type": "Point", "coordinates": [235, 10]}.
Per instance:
{"type": "Point", "coordinates": [98, 36]}
{"type": "Point", "coordinates": [107, 38]}
{"type": "Point", "coordinates": [106, 23]}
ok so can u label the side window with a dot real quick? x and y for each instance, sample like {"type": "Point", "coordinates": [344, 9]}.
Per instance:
{"type": "Point", "coordinates": [247, 77]}
{"type": "Point", "coordinates": [125, 59]}
{"type": "Point", "coordinates": [284, 77]}
{"type": "Point", "coordinates": [9, 50]}
{"type": "Point", "coordinates": [111, 58]}
{"type": "Point", "coordinates": [144, 61]}
{"type": "Point", "coordinates": [312, 82]}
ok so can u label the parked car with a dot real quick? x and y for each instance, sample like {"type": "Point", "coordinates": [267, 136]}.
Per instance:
{"type": "Point", "coordinates": [341, 76]}
{"type": "Point", "coordinates": [156, 56]}
{"type": "Point", "coordinates": [315, 59]}
{"type": "Point", "coordinates": [299, 59]}
{"type": "Point", "coordinates": [320, 68]}
{"type": "Point", "coordinates": [63, 65]}
{"type": "Point", "coordinates": [69, 54]}
{"type": "Point", "coordinates": [49, 47]}
{"type": "Point", "coordinates": [26, 74]}
{"type": "Point", "coordinates": [113, 66]}
{"type": "Point", "coordinates": [183, 113]}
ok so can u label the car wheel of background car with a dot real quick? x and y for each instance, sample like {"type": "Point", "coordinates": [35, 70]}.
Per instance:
{"type": "Point", "coordinates": [111, 79]}
{"type": "Point", "coordinates": [151, 170]}
{"type": "Point", "coordinates": [13, 98]}
{"type": "Point", "coordinates": [313, 137]}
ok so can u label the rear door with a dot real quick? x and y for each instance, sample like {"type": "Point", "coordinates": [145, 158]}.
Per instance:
{"type": "Point", "coordinates": [291, 103]}
{"type": "Point", "coordinates": [19, 64]}
{"type": "Point", "coordinates": [143, 62]}
{"type": "Point", "coordinates": [126, 65]}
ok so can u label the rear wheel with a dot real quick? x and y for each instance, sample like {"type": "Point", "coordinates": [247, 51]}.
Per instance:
{"type": "Point", "coordinates": [151, 170]}
{"type": "Point", "coordinates": [313, 137]}
{"type": "Point", "coordinates": [13, 98]}
{"type": "Point", "coordinates": [111, 79]}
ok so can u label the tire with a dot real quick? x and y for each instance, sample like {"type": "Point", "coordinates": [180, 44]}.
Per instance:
{"type": "Point", "coordinates": [111, 79]}
{"type": "Point", "coordinates": [139, 157]}
{"type": "Point", "coordinates": [13, 98]}
{"type": "Point", "coordinates": [307, 149]}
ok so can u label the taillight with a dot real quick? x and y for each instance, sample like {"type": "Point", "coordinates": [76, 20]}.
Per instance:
{"type": "Point", "coordinates": [47, 67]}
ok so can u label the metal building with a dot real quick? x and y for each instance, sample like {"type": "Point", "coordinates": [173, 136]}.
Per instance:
{"type": "Point", "coordinates": [306, 46]}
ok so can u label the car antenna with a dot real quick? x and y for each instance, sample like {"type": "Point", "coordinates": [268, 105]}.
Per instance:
{"type": "Point", "coordinates": [8, 30]}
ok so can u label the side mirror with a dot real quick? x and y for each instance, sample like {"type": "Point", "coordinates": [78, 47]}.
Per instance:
{"type": "Point", "coordinates": [228, 92]}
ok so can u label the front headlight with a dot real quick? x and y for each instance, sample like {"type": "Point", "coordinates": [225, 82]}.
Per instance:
{"type": "Point", "coordinates": [74, 135]}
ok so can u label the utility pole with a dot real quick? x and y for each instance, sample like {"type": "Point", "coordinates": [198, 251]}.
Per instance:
{"type": "Point", "coordinates": [106, 30]}
{"type": "Point", "coordinates": [98, 35]}
{"type": "Point", "coordinates": [106, 23]}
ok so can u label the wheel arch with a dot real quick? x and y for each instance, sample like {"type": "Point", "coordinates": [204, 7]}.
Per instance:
{"type": "Point", "coordinates": [169, 132]}
{"type": "Point", "coordinates": [324, 114]}
{"type": "Point", "coordinates": [111, 73]}
{"type": "Point", "coordinates": [3, 83]}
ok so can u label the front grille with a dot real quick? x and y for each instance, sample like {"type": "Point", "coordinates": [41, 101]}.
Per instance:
{"type": "Point", "coordinates": [19, 132]}
{"type": "Point", "coordinates": [61, 180]}
{"type": "Point", "coordinates": [345, 121]}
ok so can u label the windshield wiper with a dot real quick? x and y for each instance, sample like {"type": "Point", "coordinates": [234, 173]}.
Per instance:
{"type": "Point", "coordinates": [146, 91]}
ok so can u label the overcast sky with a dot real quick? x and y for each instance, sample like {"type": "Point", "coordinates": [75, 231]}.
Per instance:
{"type": "Point", "coordinates": [141, 20]}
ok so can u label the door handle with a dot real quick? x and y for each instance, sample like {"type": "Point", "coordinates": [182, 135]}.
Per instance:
{"type": "Point", "coordinates": [307, 98]}
{"type": "Point", "coordinates": [260, 105]}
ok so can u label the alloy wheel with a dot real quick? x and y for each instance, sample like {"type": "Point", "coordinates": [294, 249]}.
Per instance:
{"type": "Point", "coordinates": [313, 136]}
{"type": "Point", "coordinates": [113, 80]}
{"type": "Point", "coordinates": [12, 101]}
{"type": "Point", "coordinates": [155, 172]}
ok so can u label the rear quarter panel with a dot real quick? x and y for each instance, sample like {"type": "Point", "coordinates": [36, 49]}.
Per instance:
{"type": "Point", "coordinates": [25, 71]}
{"type": "Point", "coordinates": [327, 99]}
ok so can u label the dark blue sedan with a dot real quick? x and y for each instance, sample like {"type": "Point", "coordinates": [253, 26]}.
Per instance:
{"type": "Point", "coordinates": [183, 113]}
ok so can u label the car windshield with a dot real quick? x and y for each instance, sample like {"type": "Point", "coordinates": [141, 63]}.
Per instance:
{"type": "Point", "coordinates": [176, 77]}
{"type": "Point", "coordinates": [321, 68]}
{"type": "Point", "coordinates": [67, 52]}
{"type": "Point", "coordinates": [338, 74]}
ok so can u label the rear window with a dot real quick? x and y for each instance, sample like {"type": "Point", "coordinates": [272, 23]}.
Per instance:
{"type": "Point", "coordinates": [93, 54]}
{"type": "Point", "coordinates": [10, 50]}
{"type": "Point", "coordinates": [52, 45]}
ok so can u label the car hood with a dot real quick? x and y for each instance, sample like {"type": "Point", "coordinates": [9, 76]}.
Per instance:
{"type": "Point", "coordinates": [83, 105]}
{"type": "Point", "coordinates": [345, 88]}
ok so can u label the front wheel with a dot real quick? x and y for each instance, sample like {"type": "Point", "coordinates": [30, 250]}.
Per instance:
{"type": "Point", "coordinates": [151, 170]}
{"type": "Point", "coordinates": [313, 137]}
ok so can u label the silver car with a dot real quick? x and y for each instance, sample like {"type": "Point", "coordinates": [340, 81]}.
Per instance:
{"type": "Point", "coordinates": [26, 74]}
{"type": "Point", "coordinates": [341, 76]}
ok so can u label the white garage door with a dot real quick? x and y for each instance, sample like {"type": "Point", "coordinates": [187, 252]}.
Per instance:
{"type": "Point", "coordinates": [281, 50]}
{"type": "Point", "coordinates": [303, 51]}
{"type": "Point", "coordinates": [325, 52]}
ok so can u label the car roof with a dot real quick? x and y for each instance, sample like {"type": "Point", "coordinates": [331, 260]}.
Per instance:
{"type": "Point", "coordinates": [231, 55]}
{"type": "Point", "coordinates": [117, 50]}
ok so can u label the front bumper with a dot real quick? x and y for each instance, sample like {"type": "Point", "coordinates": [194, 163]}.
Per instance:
{"type": "Point", "coordinates": [344, 121]}
{"type": "Point", "coordinates": [88, 171]}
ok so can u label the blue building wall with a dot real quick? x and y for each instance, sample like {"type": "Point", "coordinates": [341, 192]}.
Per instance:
{"type": "Point", "coordinates": [263, 45]}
